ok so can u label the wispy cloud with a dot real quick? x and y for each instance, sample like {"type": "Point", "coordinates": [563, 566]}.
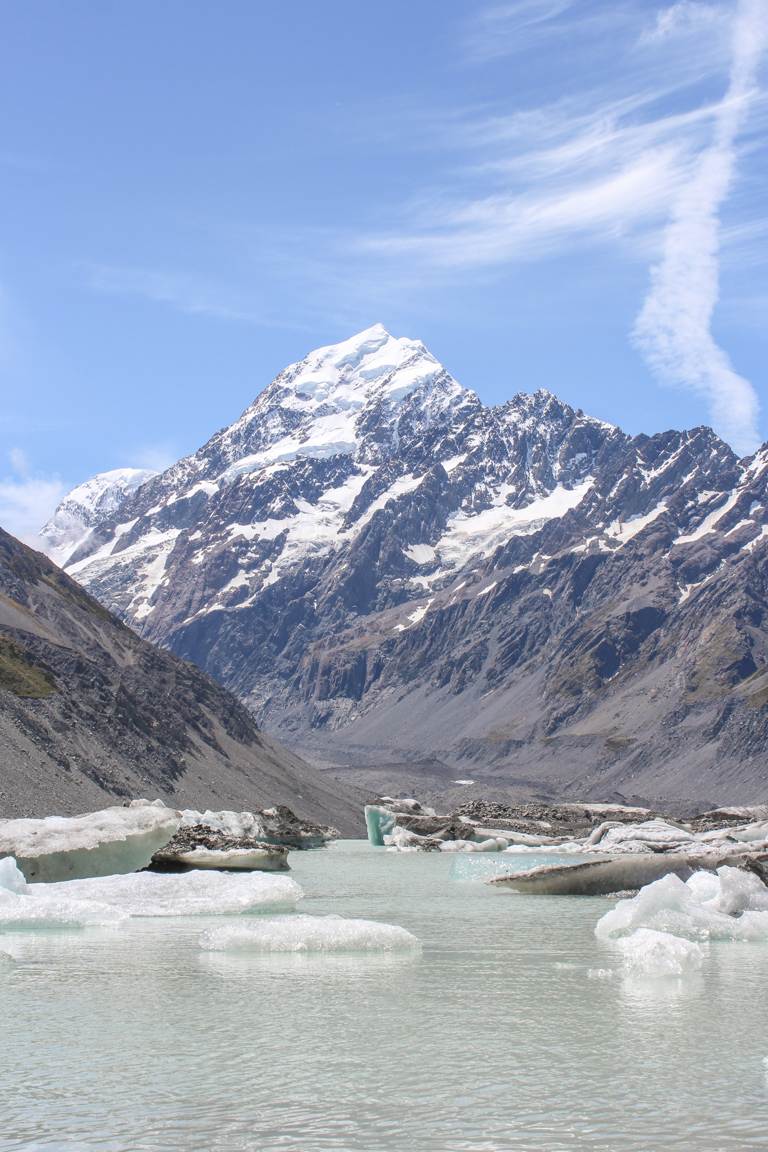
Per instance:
{"type": "Point", "coordinates": [673, 329]}
{"type": "Point", "coordinates": [684, 17]}
{"type": "Point", "coordinates": [504, 29]}
{"type": "Point", "coordinates": [603, 164]}
{"type": "Point", "coordinates": [183, 293]}
{"type": "Point", "coordinates": [155, 457]}
{"type": "Point", "coordinates": [27, 497]}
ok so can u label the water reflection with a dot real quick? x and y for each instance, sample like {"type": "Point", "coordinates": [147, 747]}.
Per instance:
{"type": "Point", "coordinates": [327, 966]}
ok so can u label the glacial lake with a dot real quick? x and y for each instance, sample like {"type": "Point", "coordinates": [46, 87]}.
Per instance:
{"type": "Point", "coordinates": [513, 1029]}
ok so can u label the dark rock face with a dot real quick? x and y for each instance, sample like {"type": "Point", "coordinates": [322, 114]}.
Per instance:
{"type": "Point", "coordinates": [374, 560]}
{"type": "Point", "coordinates": [90, 711]}
{"type": "Point", "coordinates": [282, 826]}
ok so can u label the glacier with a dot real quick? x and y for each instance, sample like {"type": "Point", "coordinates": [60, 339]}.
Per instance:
{"type": "Point", "coordinates": [85, 506]}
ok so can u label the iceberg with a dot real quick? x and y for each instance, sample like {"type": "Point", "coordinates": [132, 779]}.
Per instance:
{"type": "Point", "coordinates": [596, 877]}
{"type": "Point", "coordinates": [729, 904]}
{"type": "Point", "coordinates": [646, 836]}
{"type": "Point", "coordinates": [265, 858]}
{"type": "Point", "coordinates": [379, 822]}
{"type": "Point", "coordinates": [492, 844]}
{"type": "Point", "coordinates": [304, 934]}
{"type": "Point", "coordinates": [120, 839]}
{"type": "Point", "coordinates": [112, 899]}
{"type": "Point", "coordinates": [203, 893]}
{"type": "Point", "coordinates": [650, 953]}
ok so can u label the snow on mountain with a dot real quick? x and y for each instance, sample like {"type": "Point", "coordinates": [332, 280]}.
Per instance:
{"type": "Point", "coordinates": [331, 442]}
{"type": "Point", "coordinates": [85, 506]}
{"type": "Point", "coordinates": [369, 540]}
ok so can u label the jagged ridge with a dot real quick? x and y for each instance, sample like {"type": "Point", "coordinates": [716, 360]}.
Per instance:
{"type": "Point", "coordinates": [373, 558]}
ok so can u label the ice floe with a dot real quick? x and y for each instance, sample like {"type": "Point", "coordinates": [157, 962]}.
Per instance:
{"type": "Point", "coordinates": [198, 893]}
{"type": "Point", "coordinates": [112, 899]}
{"type": "Point", "coordinates": [119, 839]}
{"type": "Point", "coordinates": [25, 905]}
{"type": "Point", "coordinates": [309, 934]}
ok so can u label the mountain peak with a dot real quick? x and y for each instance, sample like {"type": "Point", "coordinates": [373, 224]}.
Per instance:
{"type": "Point", "coordinates": [344, 374]}
{"type": "Point", "coordinates": [90, 502]}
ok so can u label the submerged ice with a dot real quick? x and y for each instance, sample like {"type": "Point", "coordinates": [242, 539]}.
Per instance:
{"type": "Point", "coordinates": [309, 934]}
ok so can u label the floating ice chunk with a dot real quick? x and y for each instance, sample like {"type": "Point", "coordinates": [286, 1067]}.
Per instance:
{"type": "Point", "coordinates": [309, 934]}
{"type": "Point", "coordinates": [25, 905]}
{"type": "Point", "coordinates": [650, 953]}
{"type": "Point", "coordinates": [278, 826]}
{"type": "Point", "coordinates": [594, 877]}
{"type": "Point", "coordinates": [612, 836]}
{"type": "Point", "coordinates": [733, 892]}
{"type": "Point", "coordinates": [269, 858]}
{"type": "Point", "coordinates": [379, 822]}
{"type": "Point", "coordinates": [699, 909]}
{"type": "Point", "coordinates": [749, 832]}
{"type": "Point", "coordinates": [492, 844]}
{"type": "Point", "coordinates": [404, 840]}
{"type": "Point", "coordinates": [11, 877]}
{"type": "Point", "coordinates": [52, 912]}
{"type": "Point", "coordinates": [199, 893]}
{"type": "Point", "coordinates": [96, 844]}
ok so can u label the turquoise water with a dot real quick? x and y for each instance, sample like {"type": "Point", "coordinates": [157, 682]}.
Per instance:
{"type": "Point", "coordinates": [513, 1030]}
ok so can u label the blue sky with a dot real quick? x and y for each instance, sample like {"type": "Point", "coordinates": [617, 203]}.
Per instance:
{"type": "Point", "coordinates": [550, 193]}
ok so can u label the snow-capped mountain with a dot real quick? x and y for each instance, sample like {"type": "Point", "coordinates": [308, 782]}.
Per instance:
{"type": "Point", "coordinates": [89, 504]}
{"type": "Point", "coordinates": [373, 559]}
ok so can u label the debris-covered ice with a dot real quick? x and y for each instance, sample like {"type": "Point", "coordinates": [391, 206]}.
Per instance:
{"type": "Point", "coordinates": [309, 934]}
{"type": "Point", "coordinates": [278, 825]}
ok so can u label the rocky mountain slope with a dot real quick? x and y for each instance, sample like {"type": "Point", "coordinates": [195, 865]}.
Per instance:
{"type": "Point", "coordinates": [383, 567]}
{"type": "Point", "coordinates": [89, 711]}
